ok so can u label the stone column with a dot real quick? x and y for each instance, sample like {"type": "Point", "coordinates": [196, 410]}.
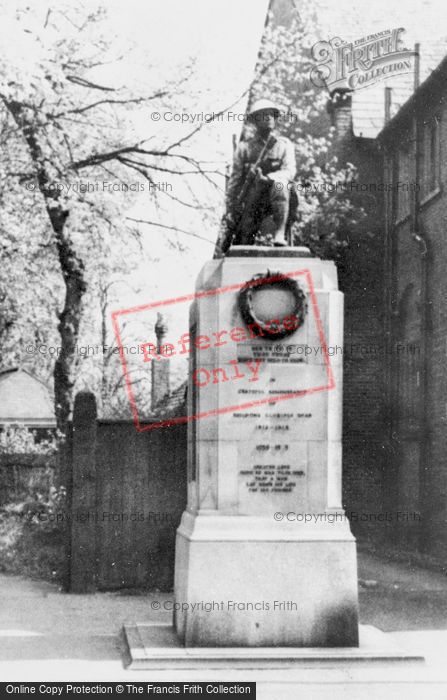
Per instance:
{"type": "Point", "coordinates": [160, 370]}
{"type": "Point", "coordinates": [264, 552]}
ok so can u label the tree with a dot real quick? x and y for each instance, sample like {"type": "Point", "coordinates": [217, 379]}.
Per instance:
{"type": "Point", "coordinates": [30, 288]}
{"type": "Point", "coordinates": [64, 120]}
{"type": "Point", "coordinates": [326, 212]}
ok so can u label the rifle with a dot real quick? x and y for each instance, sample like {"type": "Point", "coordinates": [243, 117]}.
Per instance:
{"type": "Point", "coordinates": [242, 198]}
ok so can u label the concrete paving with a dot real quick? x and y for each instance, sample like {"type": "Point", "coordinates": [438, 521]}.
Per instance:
{"type": "Point", "coordinates": [48, 635]}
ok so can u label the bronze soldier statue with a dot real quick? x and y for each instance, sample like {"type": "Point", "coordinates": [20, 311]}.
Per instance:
{"type": "Point", "coordinates": [263, 167]}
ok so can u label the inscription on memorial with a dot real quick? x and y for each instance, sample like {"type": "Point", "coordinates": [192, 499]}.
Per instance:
{"type": "Point", "coordinates": [275, 465]}
{"type": "Point", "coordinates": [290, 354]}
{"type": "Point", "coordinates": [271, 478]}
{"type": "Point", "coordinates": [271, 470]}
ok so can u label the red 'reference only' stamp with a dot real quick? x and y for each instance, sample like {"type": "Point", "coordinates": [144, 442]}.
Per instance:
{"type": "Point", "coordinates": [236, 369]}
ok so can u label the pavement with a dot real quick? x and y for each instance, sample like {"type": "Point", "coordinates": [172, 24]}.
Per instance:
{"type": "Point", "coordinates": [49, 635]}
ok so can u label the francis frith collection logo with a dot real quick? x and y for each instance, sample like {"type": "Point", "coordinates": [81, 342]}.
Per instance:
{"type": "Point", "coordinates": [361, 63]}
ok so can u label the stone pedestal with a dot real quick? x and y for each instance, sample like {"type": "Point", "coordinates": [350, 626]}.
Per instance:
{"type": "Point", "coordinates": [264, 552]}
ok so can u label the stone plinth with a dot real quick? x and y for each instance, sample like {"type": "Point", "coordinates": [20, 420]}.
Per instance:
{"type": "Point", "coordinates": [264, 552]}
{"type": "Point", "coordinates": [157, 647]}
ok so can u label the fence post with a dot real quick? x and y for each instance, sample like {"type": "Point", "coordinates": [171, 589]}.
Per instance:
{"type": "Point", "coordinates": [83, 501]}
{"type": "Point", "coordinates": [65, 464]}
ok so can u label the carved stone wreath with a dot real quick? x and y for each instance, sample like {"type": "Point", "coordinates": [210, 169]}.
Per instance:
{"type": "Point", "coordinates": [273, 279]}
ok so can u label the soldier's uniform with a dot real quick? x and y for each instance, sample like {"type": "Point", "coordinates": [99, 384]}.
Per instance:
{"type": "Point", "coordinates": [272, 197]}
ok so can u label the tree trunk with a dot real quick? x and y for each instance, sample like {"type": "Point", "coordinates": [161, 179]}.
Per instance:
{"type": "Point", "coordinates": [69, 319]}
{"type": "Point", "coordinates": [72, 269]}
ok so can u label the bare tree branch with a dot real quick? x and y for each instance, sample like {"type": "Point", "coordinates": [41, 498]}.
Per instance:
{"type": "Point", "coordinates": [83, 82]}
{"type": "Point", "coordinates": [128, 101]}
{"type": "Point", "coordinates": [170, 228]}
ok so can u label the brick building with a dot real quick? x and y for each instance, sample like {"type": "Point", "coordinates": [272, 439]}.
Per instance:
{"type": "Point", "coordinates": [395, 388]}
{"type": "Point", "coordinates": [396, 324]}
{"type": "Point", "coordinates": [413, 145]}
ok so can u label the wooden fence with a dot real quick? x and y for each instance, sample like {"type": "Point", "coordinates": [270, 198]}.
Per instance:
{"type": "Point", "coordinates": [127, 492]}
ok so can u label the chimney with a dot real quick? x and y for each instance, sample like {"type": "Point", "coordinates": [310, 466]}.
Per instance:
{"type": "Point", "coordinates": [339, 107]}
{"type": "Point", "coordinates": [160, 368]}
{"type": "Point", "coordinates": [388, 98]}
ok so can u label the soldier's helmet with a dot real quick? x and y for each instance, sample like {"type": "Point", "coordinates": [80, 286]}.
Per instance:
{"type": "Point", "coordinates": [262, 106]}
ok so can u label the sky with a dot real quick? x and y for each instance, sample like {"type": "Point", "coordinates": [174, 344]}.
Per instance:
{"type": "Point", "coordinates": [219, 40]}
{"type": "Point", "coordinates": [223, 39]}
{"type": "Point", "coordinates": [223, 36]}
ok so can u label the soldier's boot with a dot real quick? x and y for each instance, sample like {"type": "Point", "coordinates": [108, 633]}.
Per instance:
{"type": "Point", "coordinates": [280, 212]}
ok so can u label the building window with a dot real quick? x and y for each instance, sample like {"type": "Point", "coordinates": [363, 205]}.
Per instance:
{"type": "Point", "coordinates": [402, 183]}
{"type": "Point", "coordinates": [430, 175]}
